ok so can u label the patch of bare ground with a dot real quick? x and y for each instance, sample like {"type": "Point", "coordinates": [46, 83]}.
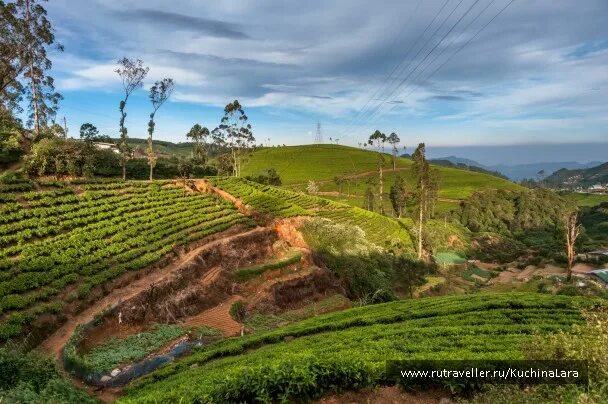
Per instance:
{"type": "Point", "coordinates": [582, 268]}
{"type": "Point", "coordinates": [526, 274]}
{"type": "Point", "coordinates": [549, 270]}
{"type": "Point", "coordinates": [506, 276]}
{"type": "Point", "coordinates": [386, 395]}
{"type": "Point", "coordinates": [217, 317]}
{"type": "Point", "coordinates": [487, 265]}
{"type": "Point", "coordinates": [55, 342]}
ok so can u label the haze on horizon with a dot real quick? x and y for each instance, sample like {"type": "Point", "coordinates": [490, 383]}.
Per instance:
{"type": "Point", "coordinates": [427, 70]}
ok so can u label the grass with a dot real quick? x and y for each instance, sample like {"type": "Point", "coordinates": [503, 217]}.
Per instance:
{"type": "Point", "coordinates": [348, 349]}
{"type": "Point", "coordinates": [298, 164]}
{"type": "Point", "coordinates": [467, 275]}
{"type": "Point", "coordinates": [116, 351]}
{"type": "Point", "coordinates": [266, 322]}
{"type": "Point", "coordinates": [449, 258]}
{"type": "Point", "coordinates": [245, 274]}
{"type": "Point", "coordinates": [586, 199]}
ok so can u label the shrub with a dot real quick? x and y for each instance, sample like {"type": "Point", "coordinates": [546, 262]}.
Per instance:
{"type": "Point", "coordinates": [238, 311]}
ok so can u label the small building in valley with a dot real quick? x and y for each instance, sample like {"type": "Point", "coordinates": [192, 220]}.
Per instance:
{"type": "Point", "coordinates": [601, 275]}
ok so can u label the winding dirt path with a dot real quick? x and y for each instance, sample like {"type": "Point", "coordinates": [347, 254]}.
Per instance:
{"type": "Point", "coordinates": [54, 343]}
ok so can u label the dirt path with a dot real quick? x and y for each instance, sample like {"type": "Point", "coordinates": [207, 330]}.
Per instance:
{"type": "Point", "coordinates": [59, 338]}
{"type": "Point", "coordinates": [217, 317]}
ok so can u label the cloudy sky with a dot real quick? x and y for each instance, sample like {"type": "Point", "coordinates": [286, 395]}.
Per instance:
{"type": "Point", "coordinates": [426, 69]}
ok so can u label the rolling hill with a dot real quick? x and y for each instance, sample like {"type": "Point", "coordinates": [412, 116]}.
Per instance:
{"type": "Point", "coordinates": [579, 178]}
{"type": "Point", "coordinates": [297, 165]}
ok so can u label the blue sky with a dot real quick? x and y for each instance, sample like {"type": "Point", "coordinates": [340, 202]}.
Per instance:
{"type": "Point", "coordinates": [536, 74]}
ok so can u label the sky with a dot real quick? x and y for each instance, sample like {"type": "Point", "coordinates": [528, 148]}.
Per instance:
{"type": "Point", "coordinates": [444, 72]}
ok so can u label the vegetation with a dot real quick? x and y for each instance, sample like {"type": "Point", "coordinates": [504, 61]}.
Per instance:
{"type": "Point", "coordinates": [245, 274]}
{"type": "Point", "coordinates": [117, 351]}
{"type": "Point", "coordinates": [31, 378]}
{"type": "Point", "coordinates": [159, 94]}
{"type": "Point", "coordinates": [319, 355]}
{"type": "Point", "coordinates": [238, 310]}
{"type": "Point", "coordinates": [234, 133]}
{"type": "Point", "coordinates": [85, 233]}
{"type": "Point", "coordinates": [132, 74]}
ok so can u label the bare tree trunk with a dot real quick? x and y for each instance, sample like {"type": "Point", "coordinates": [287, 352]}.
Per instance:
{"type": "Point", "coordinates": [420, 220]}
{"type": "Point", "coordinates": [32, 77]}
{"type": "Point", "coordinates": [572, 233]}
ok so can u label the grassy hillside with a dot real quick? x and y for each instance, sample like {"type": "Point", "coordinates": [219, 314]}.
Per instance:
{"type": "Point", "coordinates": [298, 164]}
{"type": "Point", "coordinates": [59, 240]}
{"type": "Point", "coordinates": [348, 349]}
{"type": "Point", "coordinates": [278, 202]}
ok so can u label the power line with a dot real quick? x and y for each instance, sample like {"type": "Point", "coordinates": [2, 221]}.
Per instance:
{"type": "Point", "coordinates": [404, 80]}
{"type": "Point", "coordinates": [388, 93]}
{"type": "Point", "coordinates": [458, 50]}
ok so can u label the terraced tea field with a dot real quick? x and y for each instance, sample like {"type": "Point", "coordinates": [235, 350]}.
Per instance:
{"type": "Point", "coordinates": [348, 349]}
{"type": "Point", "coordinates": [381, 230]}
{"type": "Point", "coordinates": [58, 240]}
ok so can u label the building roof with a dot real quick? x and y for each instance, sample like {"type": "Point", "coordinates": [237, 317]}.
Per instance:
{"type": "Point", "coordinates": [602, 274]}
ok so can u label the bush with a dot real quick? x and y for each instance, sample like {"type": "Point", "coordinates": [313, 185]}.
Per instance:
{"type": "Point", "coordinates": [29, 377]}
{"type": "Point", "coordinates": [238, 311]}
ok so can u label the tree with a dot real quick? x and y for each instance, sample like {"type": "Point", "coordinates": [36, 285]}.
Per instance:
{"type": "Point", "coordinates": [88, 132]}
{"type": "Point", "coordinates": [398, 196]}
{"type": "Point", "coordinates": [378, 139]}
{"type": "Point", "coordinates": [433, 188]}
{"type": "Point", "coordinates": [132, 74]}
{"type": "Point", "coordinates": [421, 170]}
{"type": "Point", "coordinates": [368, 199]}
{"type": "Point", "coordinates": [159, 94]}
{"type": "Point", "coordinates": [573, 230]}
{"type": "Point", "coordinates": [410, 273]}
{"type": "Point", "coordinates": [26, 33]}
{"type": "Point", "coordinates": [235, 133]}
{"type": "Point", "coordinates": [393, 140]}
{"type": "Point", "coordinates": [199, 135]}
{"type": "Point", "coordinates": [185, 167]}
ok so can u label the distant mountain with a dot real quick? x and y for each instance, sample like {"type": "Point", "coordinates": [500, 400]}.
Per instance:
{"type": "Point", "coordinates": [461, 160]}
{"type": "Point", "coordinates": [580, 177]}
{"type": "Point", "coordinates": [520, 171]}
{"type": "Point", "coordinates": [465, 166]}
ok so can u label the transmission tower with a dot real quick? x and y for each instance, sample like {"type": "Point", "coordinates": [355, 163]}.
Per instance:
{"type": "Point", "coordinates": [319, 136]}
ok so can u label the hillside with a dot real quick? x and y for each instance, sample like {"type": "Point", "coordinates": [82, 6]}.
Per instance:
{"type": "Point", "coordinates": [349, 349]}
{"type": "Point", "coordinates": [579, 178]}
{"type": "Point", "coordinates": [297, 165]}
{"type": "Point", "coordinates": [60, 242]}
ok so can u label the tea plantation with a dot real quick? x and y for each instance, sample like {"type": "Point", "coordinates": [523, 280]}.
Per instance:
{"type": "Point", "coordinates": [348, 349]}
{"type": "Point", "coordinates": [60, 240]}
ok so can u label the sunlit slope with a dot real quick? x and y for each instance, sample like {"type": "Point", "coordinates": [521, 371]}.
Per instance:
{"type": "Point", "coordinates": [298, 164]}
{"type": "Point", "coordinates": [349, 349]}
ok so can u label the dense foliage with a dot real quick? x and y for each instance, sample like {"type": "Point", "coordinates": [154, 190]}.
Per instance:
{"type": "Point", "coordinates": [510, 212]}
{"type": "Point", "coordinates": [31, 378]}
{"type": "Point", "coordinates": [348, 349]}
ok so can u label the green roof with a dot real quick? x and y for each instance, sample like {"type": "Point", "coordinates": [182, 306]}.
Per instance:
{"type": "Point", "coordinates": [449, 258]}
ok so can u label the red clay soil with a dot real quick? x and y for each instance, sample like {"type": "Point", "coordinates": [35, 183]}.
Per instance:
{"type": "Point", "coordinates": [55, 342]}
{"type": "Point", "coordinates": [218, 318]}
{"type": "Point", "coordinates": [385, 395]}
